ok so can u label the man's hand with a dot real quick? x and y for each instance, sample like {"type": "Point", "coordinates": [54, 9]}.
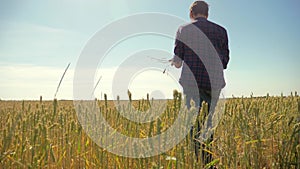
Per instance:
{"type": "Point", "coordinates": [176, 64]}
{"type": "Point", "coordinates": [171, 61]}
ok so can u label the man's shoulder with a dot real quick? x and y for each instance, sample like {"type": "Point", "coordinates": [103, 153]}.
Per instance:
{"type": "Point", "coordinates": [207, 23]}
{"type": "Point", "coordinates": [187, 25]}
{"type": "Point", "coordinates": [216, 26]}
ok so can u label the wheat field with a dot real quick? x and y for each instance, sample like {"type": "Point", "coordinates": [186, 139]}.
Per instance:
{"type": "Point", "coordinates": [254, 132]}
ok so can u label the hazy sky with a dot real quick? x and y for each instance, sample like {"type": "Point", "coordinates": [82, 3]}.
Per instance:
{"type": "Point", "coordinates": [39, 38]}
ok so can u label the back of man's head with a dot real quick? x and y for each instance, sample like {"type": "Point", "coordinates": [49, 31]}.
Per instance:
{"type": "Point", "coordinates": [199, 8]}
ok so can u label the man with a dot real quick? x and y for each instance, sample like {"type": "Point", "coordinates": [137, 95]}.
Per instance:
{"type": "Point", "coordinates": [202, 75]}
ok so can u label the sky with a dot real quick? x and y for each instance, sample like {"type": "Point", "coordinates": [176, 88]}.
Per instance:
{"type": "Point", "coordinates": [39, 38]}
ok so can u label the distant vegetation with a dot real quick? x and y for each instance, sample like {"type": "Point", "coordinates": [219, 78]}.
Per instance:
{"type": "Point", "coordinates": [252, 133]}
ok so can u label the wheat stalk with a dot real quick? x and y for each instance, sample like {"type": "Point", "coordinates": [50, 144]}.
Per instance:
{"type": "Point", "coordinates": [61, 79]}
{"type": "Point", "coordinates": [96, 85]}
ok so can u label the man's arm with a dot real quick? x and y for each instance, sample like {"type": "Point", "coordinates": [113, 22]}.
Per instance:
{"type": "Point", "coordinates": [178, 51]}
{"type": "Point", "coordinates": [225, 51]}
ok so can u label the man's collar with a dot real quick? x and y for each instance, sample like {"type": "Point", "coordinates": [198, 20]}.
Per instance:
{"type": "Point", "coordinates": [200, 18]}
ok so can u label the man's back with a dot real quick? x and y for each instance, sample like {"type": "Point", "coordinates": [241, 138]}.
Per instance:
{"type": "Point", "coordinates": [216, 35]}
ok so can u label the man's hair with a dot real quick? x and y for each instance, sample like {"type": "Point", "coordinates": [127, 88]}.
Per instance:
{"type": "Point", "coordinates": [199, 7]}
